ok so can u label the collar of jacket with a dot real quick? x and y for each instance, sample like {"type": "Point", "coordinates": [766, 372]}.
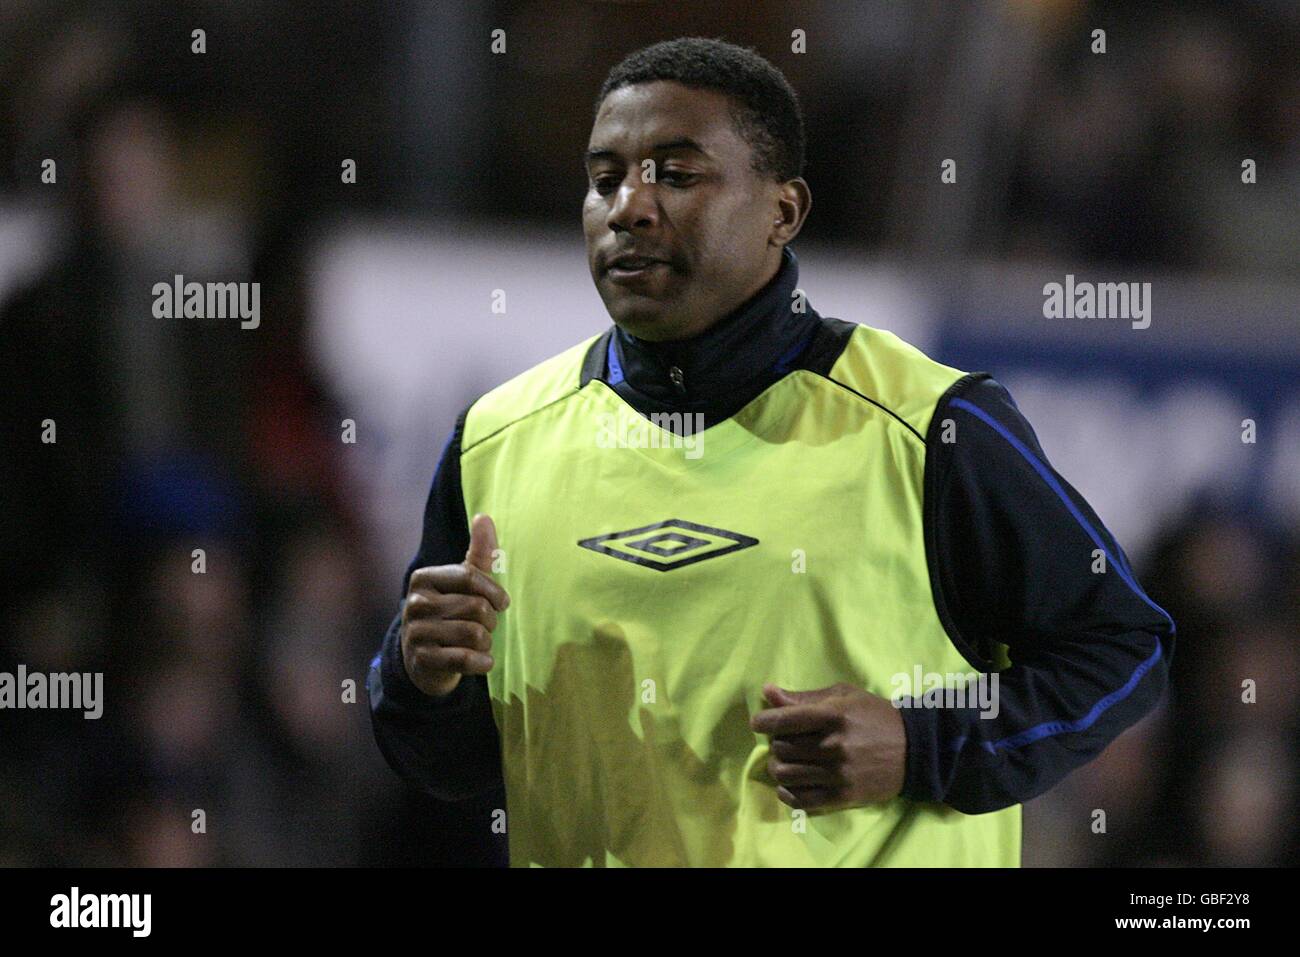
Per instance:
{"type": "Point", "coordinates": [758, 339]}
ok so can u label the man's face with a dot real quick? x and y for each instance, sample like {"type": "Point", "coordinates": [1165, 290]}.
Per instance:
{"type": "Point", "coordinates": [706, 220]}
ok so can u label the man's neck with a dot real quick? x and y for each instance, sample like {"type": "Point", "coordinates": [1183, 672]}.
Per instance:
{"type": "Point", "coordinates": [734, 352]}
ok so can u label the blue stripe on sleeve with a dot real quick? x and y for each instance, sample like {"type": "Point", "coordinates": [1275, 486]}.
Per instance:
{"type": "Point", "coordinates": [1045, 473]}
{"type": "Point", "coordinates": [1051, 728]}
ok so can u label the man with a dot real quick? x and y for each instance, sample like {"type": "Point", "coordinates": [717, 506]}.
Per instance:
{"type": "Point", "coordinates": [670, 658]}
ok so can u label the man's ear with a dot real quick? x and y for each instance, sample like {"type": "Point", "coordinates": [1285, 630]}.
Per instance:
{"type": "Point", "coordinates": [793, 201]}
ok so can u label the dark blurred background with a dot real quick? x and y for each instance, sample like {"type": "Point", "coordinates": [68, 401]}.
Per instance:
{"type": "Point", "coordinates": [227, 691]}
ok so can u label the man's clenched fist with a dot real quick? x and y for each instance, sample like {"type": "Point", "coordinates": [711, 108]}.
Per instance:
{"type": "Point", "coordinates": [449, 615]}
{"type": "Point", "coordinates": [833, 747]}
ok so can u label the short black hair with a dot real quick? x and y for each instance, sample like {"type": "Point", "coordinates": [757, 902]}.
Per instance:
{"type": "Point", "coordinates": [766, 110]}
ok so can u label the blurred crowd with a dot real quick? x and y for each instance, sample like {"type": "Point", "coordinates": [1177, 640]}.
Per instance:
{"type": "Point", "coordinates": [1141, 161]}
{"type": "Point", "coordinates": [190, 533]}
{"type": "Point", "coordinates": [1211, 778]}
{"type": "Point", "coordinates": [238, 692]}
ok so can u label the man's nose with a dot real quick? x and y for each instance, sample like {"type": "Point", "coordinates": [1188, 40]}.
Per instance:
{"type": "Point", "coordinates": [635, 207]}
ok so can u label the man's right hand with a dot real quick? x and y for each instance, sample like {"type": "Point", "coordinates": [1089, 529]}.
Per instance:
{"type": "Point", "coordinates": [449, 615]}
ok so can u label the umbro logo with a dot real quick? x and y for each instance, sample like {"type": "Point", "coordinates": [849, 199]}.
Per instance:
{"type": "Point", "coordinates": [667, 545]}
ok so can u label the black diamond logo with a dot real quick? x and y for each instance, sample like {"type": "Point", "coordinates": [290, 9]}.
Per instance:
{"type": "Point", "coordinates": [664, 546]}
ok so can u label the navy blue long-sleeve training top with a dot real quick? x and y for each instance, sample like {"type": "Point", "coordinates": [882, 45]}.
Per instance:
{"type": "Point", "coordinates": [1089, 653]}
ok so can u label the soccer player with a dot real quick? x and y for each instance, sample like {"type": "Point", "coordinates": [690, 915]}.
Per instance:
{"type": "Point", "coordinates": [715, 647]}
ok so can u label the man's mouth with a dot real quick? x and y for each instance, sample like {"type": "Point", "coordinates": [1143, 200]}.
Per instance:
{"type": "Point", "coordinates": [630, 269]}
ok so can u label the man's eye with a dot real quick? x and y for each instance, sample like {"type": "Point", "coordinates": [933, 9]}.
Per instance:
{"type": "Point", "coordinates": [608, 183]}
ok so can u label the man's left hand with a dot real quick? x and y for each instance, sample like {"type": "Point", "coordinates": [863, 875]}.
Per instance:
{"type": "Point", "coordinates": [833, 747]}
